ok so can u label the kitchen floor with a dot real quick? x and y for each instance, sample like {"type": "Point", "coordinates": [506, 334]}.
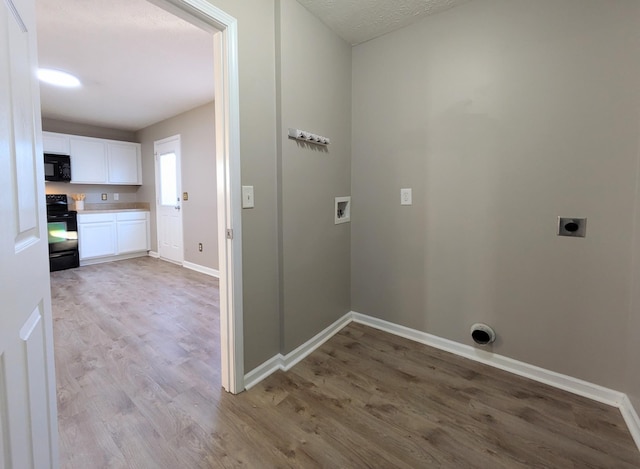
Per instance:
{"type": "Point", "coordinates": [137, 353]}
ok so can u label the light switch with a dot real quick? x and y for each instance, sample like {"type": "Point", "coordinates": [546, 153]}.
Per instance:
{"type": "Point", "coordinates": [247, 197]}
{"type": "Point", "coordinates": [405, 197]}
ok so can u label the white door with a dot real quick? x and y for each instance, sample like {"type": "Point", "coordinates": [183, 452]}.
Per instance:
{"type": "Point", "coordinates": [28, 426]}
{"type": "Point", "coordinates": [169, 199]}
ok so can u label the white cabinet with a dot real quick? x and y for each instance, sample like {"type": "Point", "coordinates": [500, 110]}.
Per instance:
{"type": "Point", "coordinates": [113, 235]}
{"type": "Point", "coordinates": [55, 143]}
{"type": "Point", "coordinates": [97, 160]}
{"type": "Point", "coordinates": [88, 160]}
{"type": "Point", "coordinates": [96, 235]}
{"type": "Point", "coordinates": [133, 231]}
{"type": "Point", "coordinates": [123, 163]}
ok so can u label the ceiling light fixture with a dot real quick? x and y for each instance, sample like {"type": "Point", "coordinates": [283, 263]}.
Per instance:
{"type": "Point", "coordinates": [58, 78]}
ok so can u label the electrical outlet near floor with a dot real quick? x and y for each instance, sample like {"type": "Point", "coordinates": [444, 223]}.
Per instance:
{"type": "Point", "coordinates": [200, 247]}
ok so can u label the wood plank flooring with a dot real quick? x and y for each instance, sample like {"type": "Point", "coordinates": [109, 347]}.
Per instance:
{"type": "Point", "coordinates": [137, 357]}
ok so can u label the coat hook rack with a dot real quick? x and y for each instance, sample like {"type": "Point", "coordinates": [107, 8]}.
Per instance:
{"type": "Point", "coordinates": [308, 137]}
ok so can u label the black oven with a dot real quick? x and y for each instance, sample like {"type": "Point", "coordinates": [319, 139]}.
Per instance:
{"type": "Point", "coordinates": [57, 167]}
{"type": "Point", "coordinates": [62, 227]}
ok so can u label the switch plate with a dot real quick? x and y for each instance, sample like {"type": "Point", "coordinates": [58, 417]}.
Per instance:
{"type": "Point", "coordinates": [406, 197]}
{"type": "Point", "coordinates": [116, 196]}
{"type": "Point", "coordinates": [247, 197]}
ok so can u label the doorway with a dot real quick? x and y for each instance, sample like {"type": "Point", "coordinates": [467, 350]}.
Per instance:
{"type": "Point", "coordinates": [168, 171]}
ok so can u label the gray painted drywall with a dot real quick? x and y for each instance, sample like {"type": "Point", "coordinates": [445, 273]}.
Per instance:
{"type": "Point", "coordinates": [198, 163]}
{"type": "Point", "coordinates": [86, 130]}
{"type": "Point", "coordinates": [315, 95]}
{"type": "Point", "coordinates": [502, 115]}
{"type": "Point", "coordinates": [256, 63]}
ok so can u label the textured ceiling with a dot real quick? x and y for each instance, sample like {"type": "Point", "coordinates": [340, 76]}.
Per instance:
{"type": "Point", "coordinates": [138, 64]}
{"type": "Point", "coordinates": [358, 21]}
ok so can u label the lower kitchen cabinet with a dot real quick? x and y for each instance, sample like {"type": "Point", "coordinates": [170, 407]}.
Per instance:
{"type": "Point", "coordinates": [113, 235]}
{"type": "Point", "coordinates": [133, 231]}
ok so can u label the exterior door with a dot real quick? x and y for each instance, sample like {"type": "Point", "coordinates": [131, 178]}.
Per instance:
{"type": "Point", "coordinates": [28, 417]}
{"type": "Point", "coordinates": [169, 199]}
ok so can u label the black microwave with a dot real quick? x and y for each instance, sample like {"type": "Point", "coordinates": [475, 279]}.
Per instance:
{"type": "Point", "coordinates": [57, 167]}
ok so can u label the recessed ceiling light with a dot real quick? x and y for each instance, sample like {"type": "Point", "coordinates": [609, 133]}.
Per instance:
{"type": "Point", "coordinates": [57, 78]}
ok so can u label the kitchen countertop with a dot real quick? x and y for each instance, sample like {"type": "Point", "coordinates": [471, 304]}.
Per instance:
{"type": "Point", "coordinates": [113, 207]}
{"type": "Point", "coordinates": [113, 210]}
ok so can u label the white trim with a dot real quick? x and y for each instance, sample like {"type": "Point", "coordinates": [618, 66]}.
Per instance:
{"type": "Point", "coordinates": [227, 104]}
{"type": "Point", "coordinates": [631, 419]}
{"type": "Point", "coordinates": [261, 372]}
{"type": "Point", "coordinates": [557, 380]}
{"type": "Point", "coordinates": [118, 257]}
{"type": "Point", "coordinates": [154, 254]}
{"type": "Point", "coordinates": [202, 269]}
{"type": "Point", "coordinates": [293, 358]}
{"type": "Point", "coordinates": [288, 361]}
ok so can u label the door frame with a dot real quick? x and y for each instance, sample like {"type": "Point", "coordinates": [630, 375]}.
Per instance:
{"type": "Point", "coordinates": [227, 110]}
{"type": "Point", "coordinates": [158, 184]}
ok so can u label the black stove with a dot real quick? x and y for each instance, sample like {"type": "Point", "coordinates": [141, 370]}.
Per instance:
{"type": "Point", "coordinates": [62, 227]}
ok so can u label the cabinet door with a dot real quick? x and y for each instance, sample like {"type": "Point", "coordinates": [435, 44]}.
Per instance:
{"type": "Point", "coordinates": [132, 236]}
{"type": "Point", "coordinates": [124, 163]}
{"type": "Point", "coordinates": [55, 143]}
{"type": "Point", "coordinates": [88, 160]}
{"type": "Point", "coordinates": [97, 239]}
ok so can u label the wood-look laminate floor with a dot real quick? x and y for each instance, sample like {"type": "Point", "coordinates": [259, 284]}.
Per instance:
{"type": "Point", "coordinates": [138, 387]}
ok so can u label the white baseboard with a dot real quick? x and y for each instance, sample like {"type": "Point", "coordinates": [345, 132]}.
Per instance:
{"type": "Point", "coordinates": [557, 380]}
{"type": "Point", "coordinates": [567, 383]}
{"type": "Point", "coordinates": [202, 269]}
{"type": "Point", "coordinates": [288, 361]}
{"type": "Point", "coordinates": [631, 419]}
{"type": "Point", "coordinates": [119, 257]}
{"type": "Point", "coordinates": [154, 254]}
{"type": "Point", "coordinates": [260, 372]}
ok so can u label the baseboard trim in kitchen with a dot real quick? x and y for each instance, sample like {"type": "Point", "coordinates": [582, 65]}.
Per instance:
{"type": "Point", "coordinates": [202, 269]}
{"type": "Point", "coordinates": [154, 254]}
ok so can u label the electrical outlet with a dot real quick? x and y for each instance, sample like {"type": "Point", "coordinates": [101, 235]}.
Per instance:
{"type": "Point", "coordinates": [185, 196]}
{"type": "Point", "coordinates": [405, 197]}
{"type": "Point", "coordinates": [104, 196]}
{"type": "Point", "coordinates": [116, 196]}
{"type": "Point", "coordinates": [200, 247]}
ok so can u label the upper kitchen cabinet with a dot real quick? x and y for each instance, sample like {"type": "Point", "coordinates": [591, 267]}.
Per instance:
{"type": "Point", "coordinates": [88, 160]}
{"type": "Point", "coordinates": [97, 160]}
{"type": "Point", "coordinates": [124, 163]}
{"type": "Point", "coordinates": [55, 143]}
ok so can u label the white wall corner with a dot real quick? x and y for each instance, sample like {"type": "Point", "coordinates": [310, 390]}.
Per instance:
{"type": "Point", "coordinates": [202, 269]}
{"type": "Point", "coordinates": [154, 254]}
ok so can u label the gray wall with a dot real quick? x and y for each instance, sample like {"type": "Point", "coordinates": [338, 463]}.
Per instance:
{"type": "Point", "coordinates": [315, 89]}
{"type": "Point", "coordinates": [86, 130]}
{"type": "Point", "coordinates": [256, 62]}
{"type": "Point", "coordinates": [502, 115]}
{"type": "Point", "coordinates": [199, 214]}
